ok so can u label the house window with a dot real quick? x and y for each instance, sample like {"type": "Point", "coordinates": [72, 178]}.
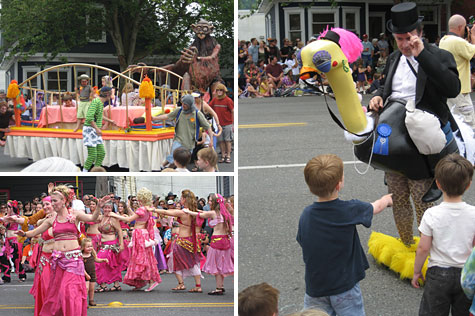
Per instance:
{"type": "Point", "coordinates": [30, 72]}
{"type": "Point", "coordinates": [294, 22]}
{"type": "Point", "coordinates": [320, 19]}
{"type": "Point", "coordinates": [57, 81]}
{"type": "Point", "coordinates": [351, 19]}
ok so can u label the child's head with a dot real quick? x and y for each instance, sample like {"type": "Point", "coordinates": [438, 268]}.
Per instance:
{"type": "Point", "coordinates": [207, 157]}
{"type": "Point", "coordinates": [454, 174]}
{"type": "Point", "coordinates": [86, 245]}
{"type": "Point", "coordinates": [260, 299]}
{"type": "Point", "coordinates": [377, 76]}
{"type": "Point", "coordinates": [323, 173]}
{"type": "Point", "coordinates": [181, 157]}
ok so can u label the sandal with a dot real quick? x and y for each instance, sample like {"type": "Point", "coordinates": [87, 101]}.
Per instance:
{"type": "Point", "coordinates": [151, 287]}
{"type": "Point", "coordinates": [228, 159]}
{"type": "Point", "coordinates": [115, 288]}
{"type": "Point", "coordinates": [92, 303]}
{"type": "Point", "coordinates": [196, 289]}
{"type": "Point", "coordinates": [101, 289]}
{"type": "Point", "coordinates": [222, 159]}
{"type": "Point", "coordinates": [218, 291]}
{"type": "Point", "coordinates": [180, 287]}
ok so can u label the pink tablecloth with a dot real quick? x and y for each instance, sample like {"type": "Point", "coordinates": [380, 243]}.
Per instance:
{"type": "Point", "coordinates": [69, 115]}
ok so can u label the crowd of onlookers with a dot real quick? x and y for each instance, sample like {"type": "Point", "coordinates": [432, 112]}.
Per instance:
{"type": "Point", "coordinates": [265, 70]}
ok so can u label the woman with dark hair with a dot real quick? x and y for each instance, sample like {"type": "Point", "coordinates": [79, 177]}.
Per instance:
{"type": "Point", "coordinates": [220, 256]}
{"type": "Point", "coordinates": [27, 208]}
{"type": "Point", "coordinates": [185, 254]}
{"type": "Point", "coordinates": [13, 244]}
{"type": "Point", "coordinates": [92, 231]}
{"type": "Point", "coordinates": [112, 244]}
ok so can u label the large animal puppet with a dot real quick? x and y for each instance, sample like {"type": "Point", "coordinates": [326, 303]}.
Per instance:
{"type": "Point", "coordinates": [380, 139]}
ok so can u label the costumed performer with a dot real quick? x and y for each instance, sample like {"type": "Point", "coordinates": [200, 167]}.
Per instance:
{"type": "Point", "coordinates": [67, 294]}
{"type": "Point", "coordinates": [92, 231]}
{"type": "Point", "coordinates": [185, 253]}
{"type": "Point", "coordinates": [39, 290]}
{"type": "Point", "coordinates": [427, 75]}
{"type": "Point", "coordinates": [142, 267]}
{"type": "Point", "coordinates": [220, 255]}
{"type": "Point", "coordinates": [13, 244]}
{"type": "Point", "coordinates": [112, 243]}
{"type": "Point", "coordinates": [92, 132]}
{"type": "Point", "coordinates": [124, 254]}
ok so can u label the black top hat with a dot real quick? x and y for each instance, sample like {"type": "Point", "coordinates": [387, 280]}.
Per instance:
{"type": "Point", "coordinates": [404, 18]}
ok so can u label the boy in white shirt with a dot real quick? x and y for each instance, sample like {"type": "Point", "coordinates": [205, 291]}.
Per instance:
{"type": "Point", "coordinates": [448, 235]}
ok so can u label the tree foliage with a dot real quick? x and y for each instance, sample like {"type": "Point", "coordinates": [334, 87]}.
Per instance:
{"type": "Point", "coordinates": [138, 28]}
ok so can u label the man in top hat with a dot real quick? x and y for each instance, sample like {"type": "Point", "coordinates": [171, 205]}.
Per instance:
{"type": "Point", "coordinates": [463, 52]}
{"type": "Point", "coordinates": [427, 75]}
{"type": "Point", "coordinates": [86, 94]}
{"type": "Point", "coordinates": [188, 122]}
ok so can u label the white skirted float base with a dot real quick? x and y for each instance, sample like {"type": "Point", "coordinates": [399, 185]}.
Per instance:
{"type": "Point", "coordinates": [132, 154]}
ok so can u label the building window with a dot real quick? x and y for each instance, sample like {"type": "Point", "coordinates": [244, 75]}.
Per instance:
{"type": "Point", "coordinates": [294, 24]}
{"type": "Point", "coordinates": [351, 19]}
{"type": "Point", "coordinates": [30, 72]}
{"type": "Point", "coordinates": [57, 81]}
{"type": "Point", "coordinates": [320, 19]}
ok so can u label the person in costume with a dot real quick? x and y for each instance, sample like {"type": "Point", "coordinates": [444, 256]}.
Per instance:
{"type": "Point", "coordinates": [92, 132]}
{"type": "Point", "coordinates": [142, 269]}
{"type": "Point", "coordinates": [92, 231]}
{"type": "Point", "coordinates": [427, 75]}
{"type": "Point", "coordinates": [185, 250]}
{"type": "Point", "coordinates": [112, 243]}
{"type": "Point", "coordinates": [13, 244]}
{"type": "Point", "coordinates": [220, 255]}
{"type": "Point", "coordinates": [39, 290]}
{"type": "Point", "coordinates": [124, 210]}
{"type": "Point", "coordinates": [67, 293]}
{"type": "Point", "coordinates": [188, 123]}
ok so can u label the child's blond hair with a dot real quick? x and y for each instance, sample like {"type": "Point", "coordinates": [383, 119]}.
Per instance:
{"type": "Point", "coordinates": [323, 173]}
{"type": "Point", "coordinates": [209, 155]}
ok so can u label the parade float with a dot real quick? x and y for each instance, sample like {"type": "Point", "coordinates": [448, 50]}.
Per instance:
{"type": "Point", "coordinates": [138, 147]}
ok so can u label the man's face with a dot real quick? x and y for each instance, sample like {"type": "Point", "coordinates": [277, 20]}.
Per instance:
{"type": "Point", "coordinates": [3, 109]}
{"type": "Point", "coordinates": [84, 82]}
{"type": "Point", "coordinates": [86, 200]}
{"type": "Point", "coordinates": [185, 106]}
{"type": "Point", "coordinates": [274, 61]}
{"type": "Point", "coordinates": [403, 42]}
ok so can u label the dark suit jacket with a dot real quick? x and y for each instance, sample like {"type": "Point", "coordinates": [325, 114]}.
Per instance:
{"type": "Point", "coordinates": [437, 80]}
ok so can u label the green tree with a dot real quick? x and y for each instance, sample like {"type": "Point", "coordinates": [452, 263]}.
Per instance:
{"type": "Point", "coordinates": [138, 28]}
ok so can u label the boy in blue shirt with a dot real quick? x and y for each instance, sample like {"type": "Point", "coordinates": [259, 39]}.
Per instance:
{"type": "Point", "coordinates": [334, 260]}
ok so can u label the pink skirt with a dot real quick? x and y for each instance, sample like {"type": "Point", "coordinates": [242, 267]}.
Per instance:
{"type": "Point", "coordinates": [108, 272]}
{"type": "Point", "coordinates": [67, 294]}
{"type": "Point", "coordinates": [220, 257]}
{"type": "Point", "coordinates": [124, 255]}
{"type": "Point", "coordinates": [142, 264]}
{"type": "Point", "coordinates": [41, 281]}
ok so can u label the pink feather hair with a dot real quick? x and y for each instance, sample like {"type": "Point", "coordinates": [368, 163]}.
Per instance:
{"type": "Point", "coordinates": [350, 43]}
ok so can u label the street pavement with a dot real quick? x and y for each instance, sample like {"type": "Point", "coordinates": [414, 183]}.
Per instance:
{"type": "Point", "coordinates": [15, 299]}
{"type": "Point", "coordinates": [8, 164]}
{"type": "Point", "coordinates": [277, 137]}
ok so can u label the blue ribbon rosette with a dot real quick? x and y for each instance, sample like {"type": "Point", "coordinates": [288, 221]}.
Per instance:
{"type": "Point", "coordinates": [381, 145]}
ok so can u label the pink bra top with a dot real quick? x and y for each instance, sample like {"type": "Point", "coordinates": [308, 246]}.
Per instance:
{"type": "Point", "coordinates": [143, 214]}
{"type": "Point", "coordinates": [12, 226]}
{"type": "Point", "coordinates": [46, 236]}
{"type": "Point", "coordinates": [124, 225]}
{"type": "Point", "coordinates": [216, 221]}
{"type": "Point", "coordinates": [65, 231]}
{"type": "Point", "coordinates": [106, 228]}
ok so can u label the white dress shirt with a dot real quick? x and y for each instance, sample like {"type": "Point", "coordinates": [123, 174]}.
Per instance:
{"type": "Point", "coordinates": [404, 80]}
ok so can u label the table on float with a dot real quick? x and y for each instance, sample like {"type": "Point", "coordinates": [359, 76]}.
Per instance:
{"type": "Point", "coordinates": [118, 114]}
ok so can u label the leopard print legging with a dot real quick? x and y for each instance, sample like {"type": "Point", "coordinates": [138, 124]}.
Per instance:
{"type": "Point", "coordinates": [402, 189]}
